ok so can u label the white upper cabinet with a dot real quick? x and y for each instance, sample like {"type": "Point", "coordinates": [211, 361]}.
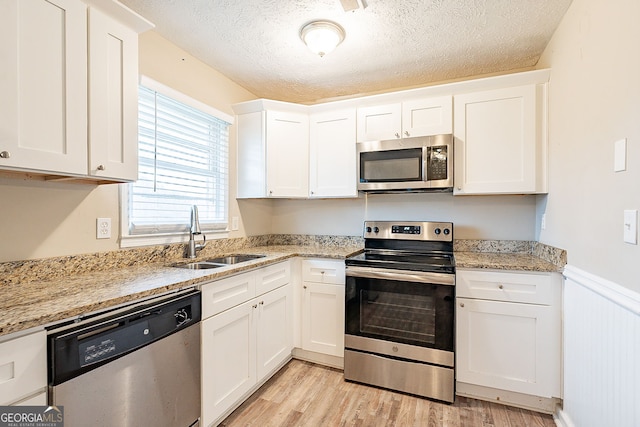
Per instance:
{"type": "Point", "coordinates": [43, 46]}
{"type": "Point", "coordinates": [273, 150]}
{"type": "Point", "coordinates": [113, 98]}
{"type": "Point", "coordinates": [500, 141]}
{"type": "Point", "coordinates": [287, 145]}
{"type": "Point", "coordinates": [411, 118]}
{"type": "Point", "coordinates": [69, 88]}
{"type": "Point", "coordinates": [332, 155]}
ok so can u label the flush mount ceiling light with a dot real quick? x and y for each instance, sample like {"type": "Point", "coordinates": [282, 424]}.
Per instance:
{"type": "Point", "coordinates": [322, 36]}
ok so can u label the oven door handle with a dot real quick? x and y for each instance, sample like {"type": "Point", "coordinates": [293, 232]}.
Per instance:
{"type": "Point", "coordinates": [402, 275]}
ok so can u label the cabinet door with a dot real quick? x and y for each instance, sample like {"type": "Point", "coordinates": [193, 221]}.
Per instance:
{"type": "Point", "coordinates": [275, 329]}
{"type": "Point", "coordinates": [495, 141]}
{"type": "Point", "coordinates": [379, 122]}
{"type": "Point", "coordinates": [228, 359]}
{"type": "Point", "coordinates": [332, 157]}
{"type": "Point", "coordinates": [23, 367]}
{"type": "Point", "coordinates": [43, 87]}
{"type": "Point", "coordinates": [287, 154]}
{"type": "Point", "coordinates": [323, 318]}
{"type": "Point", "coordinates": [428, 116]}
{"type": "Point", "coordinates": [508, 346]}
{"type": "Point", "coordinates": [113, 98]}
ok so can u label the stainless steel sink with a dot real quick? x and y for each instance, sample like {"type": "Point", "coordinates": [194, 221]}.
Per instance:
{"type": "Point", "coordinates": [201, 265]}
{"type": "Point", "coordinates": [234, 259]}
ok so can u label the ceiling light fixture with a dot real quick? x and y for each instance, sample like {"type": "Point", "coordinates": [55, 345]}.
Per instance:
{"type": "Point", "coordinates": [322, 36]}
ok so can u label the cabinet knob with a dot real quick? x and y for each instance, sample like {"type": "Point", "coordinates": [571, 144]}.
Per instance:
{"type": "Point", "coordinates": [101, 167]}
{"type": "Point", "coordinates": [261, 302]}
{"type": "Point", "coordinates": [255, 306]}
{"type": "Point", "coordinates": [406, 133]}
{"type": "Point", "coordinates": [312, 192]}
{"type": "Point", "coordinates": [459, 188]}
{"type": "Point", "coordinates": [322, 272]}
{"type": "Point", "coordinates": [397, 135]}
{"type": "Point", "coordinates": [5, 154]}
{"type": "Point", "coordinates": [500, 287]}
{"type": "Point", "coordinates": [461, 304]}
{"type": "Point", "coordinates": [270, 191]}
{"type": "Point", "coordinates": [304, 287]}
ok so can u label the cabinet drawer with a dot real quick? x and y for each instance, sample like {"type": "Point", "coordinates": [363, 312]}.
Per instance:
{"type": "Point", "coordinates": [272, 277]}
{"type": "Point", "coordinates": [323, 271]}
{"type": "Point", "coordinates": [226, 293]}
{"type": "Point", "coordinates": [532, 288]}
{"type": "Point", "coordinates": [23, 367]}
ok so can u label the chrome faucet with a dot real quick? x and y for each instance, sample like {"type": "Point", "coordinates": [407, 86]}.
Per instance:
{"type": "Point", "coordinates": [192, 246]}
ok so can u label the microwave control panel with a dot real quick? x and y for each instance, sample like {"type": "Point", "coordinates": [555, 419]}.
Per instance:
{"type": "Point", "coordinates": [437, 162]}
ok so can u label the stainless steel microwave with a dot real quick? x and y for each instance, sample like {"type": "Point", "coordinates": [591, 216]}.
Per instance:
{"type": "Point", "coordinates": [408, 164]}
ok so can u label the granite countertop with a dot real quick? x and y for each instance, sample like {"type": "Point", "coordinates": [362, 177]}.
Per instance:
{"type": "Point", "coordinates": [37, 293]}
{"type": "Point", "coordinates": [504, 261]}
{"type": "Point", "coordinates": [29, 304]}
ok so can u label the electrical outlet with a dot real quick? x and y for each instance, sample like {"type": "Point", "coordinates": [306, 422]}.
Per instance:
{"type": "Point", "coordinates": [234, 223]}
{"type": "Point", "coordinates": [103, 228]}
{"type": "Point", "coordinates": [543, 222]}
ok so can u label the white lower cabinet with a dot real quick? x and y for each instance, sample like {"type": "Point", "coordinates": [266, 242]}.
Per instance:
{"type": "Point", "coordinates": [23, 370]}
{"type": "Point", "coordinates": [323, 306]}
{"type": "Point", "coordinates": [244, 344]}
{"type": "Point", "coordinates": [508, 333]}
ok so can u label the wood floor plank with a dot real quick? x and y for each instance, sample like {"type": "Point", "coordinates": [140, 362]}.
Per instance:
{"type": "Point", "coordinates": [303, 394]}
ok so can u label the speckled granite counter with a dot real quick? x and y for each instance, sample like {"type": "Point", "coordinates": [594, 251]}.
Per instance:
{"type": "Point", "coordinates": [509, 255]}
{"type": "Point", "coordinates": [31, 303]}
{"type": "Point", "coordinates": [35, 293]}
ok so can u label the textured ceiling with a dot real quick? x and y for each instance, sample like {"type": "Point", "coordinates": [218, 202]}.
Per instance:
{"type": "Point", "coordinates": [389, 44]}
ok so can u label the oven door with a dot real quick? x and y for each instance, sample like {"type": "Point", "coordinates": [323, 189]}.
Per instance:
{"type": "Point", "coordinates": [404, 314]}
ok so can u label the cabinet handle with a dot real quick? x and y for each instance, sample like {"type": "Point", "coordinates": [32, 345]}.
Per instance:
{"type": "Point", "coordinates": [500, 286]}
{"type": "Point", "coordinates": [406, 133]}
{"type": "Point", "coordinates": [101, 167]}
{"type": "Point", "coordinates": [397, 135]}
{"type": "Point", "coordinates": [461, 304]}
{"type": "Point", "coordinates": [5, 154]}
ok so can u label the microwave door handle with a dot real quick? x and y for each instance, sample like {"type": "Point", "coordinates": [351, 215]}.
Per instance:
{"type": "Point", "coordinates": [426, 150]}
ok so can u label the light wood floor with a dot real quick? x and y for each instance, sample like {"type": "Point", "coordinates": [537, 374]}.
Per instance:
{"type": "Point", "coordinates": [306, 394]}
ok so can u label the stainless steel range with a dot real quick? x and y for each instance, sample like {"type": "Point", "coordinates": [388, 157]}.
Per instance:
{"type": "Point", "coordinates": [399, 323]}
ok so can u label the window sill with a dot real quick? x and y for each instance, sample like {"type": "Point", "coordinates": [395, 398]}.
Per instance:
{"type": "Point", "coordinates": [132, 241]}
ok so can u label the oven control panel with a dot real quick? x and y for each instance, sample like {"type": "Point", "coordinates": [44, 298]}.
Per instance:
{"type": "Point", "coordinates": [409, 230]}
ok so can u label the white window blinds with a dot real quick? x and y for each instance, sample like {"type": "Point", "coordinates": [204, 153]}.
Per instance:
{"type": "Point", "coordinates": [183, 161]}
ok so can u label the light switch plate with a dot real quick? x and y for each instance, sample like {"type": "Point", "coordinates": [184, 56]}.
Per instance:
{"type": "Point", "coordinates": [103, 228]}
{"type": "Point", "coordinates": [631, 226]}
{"type": "Point", "coordinates": [620, 155]}
{"type": "Point", "coordinates": [234, 223]}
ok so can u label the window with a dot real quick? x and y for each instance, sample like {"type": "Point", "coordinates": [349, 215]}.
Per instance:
{"type": "Point", "coordinates": [183, 161]}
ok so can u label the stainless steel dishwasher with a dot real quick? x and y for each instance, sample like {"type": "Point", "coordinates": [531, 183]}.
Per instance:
{"type": "Point", "coordinates": [138, 365]}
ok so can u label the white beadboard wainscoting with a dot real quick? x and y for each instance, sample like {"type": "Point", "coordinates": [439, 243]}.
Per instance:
{"type": "Point", "coordinates": [601, 353]}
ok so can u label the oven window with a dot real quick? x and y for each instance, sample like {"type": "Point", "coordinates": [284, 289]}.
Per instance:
{"type": "Point", "coordinates": [391, 166]}
{"type": "Point", "coordinates": [405, 312]}
{"type": "Point", "coordinates": [397, 316]}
